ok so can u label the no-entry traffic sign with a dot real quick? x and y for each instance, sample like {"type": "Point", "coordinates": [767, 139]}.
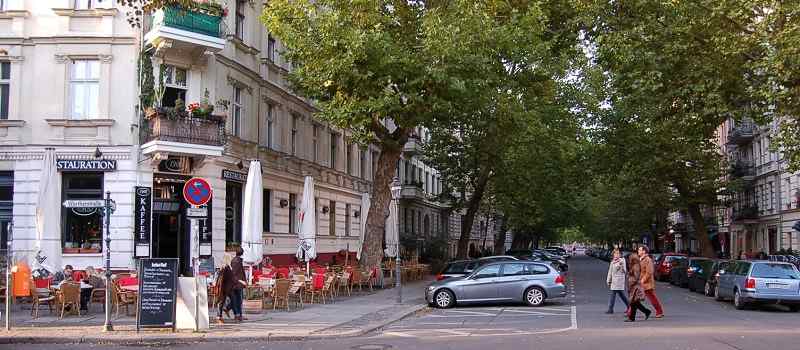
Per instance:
{"type": "Point", "coordinates": [197, 191]}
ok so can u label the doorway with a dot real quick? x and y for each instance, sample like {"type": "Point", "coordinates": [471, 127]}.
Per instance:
{"type": "Point", "coordinates": [171, 236]}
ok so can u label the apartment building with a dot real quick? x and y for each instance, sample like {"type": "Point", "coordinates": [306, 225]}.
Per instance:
{"type": "Point", "coordinates": [69, 80]}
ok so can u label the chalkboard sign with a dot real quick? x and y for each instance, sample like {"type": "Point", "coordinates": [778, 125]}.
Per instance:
{"type": "Point", "coordinates": [157, 292]}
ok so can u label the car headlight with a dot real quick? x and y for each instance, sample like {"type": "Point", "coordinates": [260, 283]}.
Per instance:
{"type": "Point", "coordinates": [431, 288]}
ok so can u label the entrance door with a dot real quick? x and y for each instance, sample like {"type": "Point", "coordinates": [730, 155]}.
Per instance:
{"type": "Point", "coordinates": [170, 226]}
{"type": "Point", "coordinates": [166, 240]}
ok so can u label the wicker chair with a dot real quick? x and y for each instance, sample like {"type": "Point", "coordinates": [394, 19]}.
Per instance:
{"type": "Point", "coordinates": [344, 283]}
{"type": "Point", "coordinates": [70, 294]}
{"type": "Point", "coordinates": [38, 299]}
{"type": "Point", "coordinates": [281, 294]}
{"type": "Point", "coordinates": [122, 298]}
{"type": "Point", "coordinates": [296, 293]}
{"type": "Point", "coordinates": [98, 296]}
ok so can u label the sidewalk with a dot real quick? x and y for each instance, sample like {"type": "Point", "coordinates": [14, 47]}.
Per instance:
{"type": "Point", "coordinates": [348, 317]}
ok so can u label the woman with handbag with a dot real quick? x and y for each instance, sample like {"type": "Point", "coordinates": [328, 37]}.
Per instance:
{"type": "Point", "coordinates": [635, 291]}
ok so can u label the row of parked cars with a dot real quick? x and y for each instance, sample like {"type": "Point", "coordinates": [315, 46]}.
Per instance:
{"type": "Point", "coordinates": [745, 282]}
{"type": "Point", "coordinates": [530, 276]}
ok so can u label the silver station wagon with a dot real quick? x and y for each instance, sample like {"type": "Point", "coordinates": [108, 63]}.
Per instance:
{"type": "Point", "coordinates": [512, 281]}
{"type": "Point", "coordinates": [760, 282]}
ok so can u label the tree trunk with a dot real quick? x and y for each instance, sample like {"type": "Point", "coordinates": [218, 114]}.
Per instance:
{"type": "Point", "coordinates": [500, 240]}
{"type": "Point", "coordinates": [473, 205]}
{"type": "Point", "coordinates": [372, 251]}
{"type": "Point", "coordinates": [706, 249]}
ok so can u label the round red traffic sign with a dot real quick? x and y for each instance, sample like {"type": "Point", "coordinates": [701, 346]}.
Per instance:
{"type": "Point", "coordinates": [196, 191]}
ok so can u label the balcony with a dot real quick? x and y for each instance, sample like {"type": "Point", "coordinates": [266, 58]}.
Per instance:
{"type": "Point", "coordinates": [413, 191]}
{"type": "Point", "coordinates": [742, 169]}
{"type": "Point", "coordinates": [413, 146]}
{"type": "Point", "coordinates": [746, 215]}
{"type": "Point", "coordinates": [186, 31]}
{"type": "Point", "coordinates": [182, 134]}
{"type": "Point", "coordinates": [742, 133]}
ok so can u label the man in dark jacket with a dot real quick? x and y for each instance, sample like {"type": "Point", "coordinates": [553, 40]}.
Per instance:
{"type": "Point", "coordinates": [237, 294]}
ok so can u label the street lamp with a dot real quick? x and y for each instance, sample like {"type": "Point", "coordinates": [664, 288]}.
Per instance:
{"type": "Point", "coordinates": [395, 189]}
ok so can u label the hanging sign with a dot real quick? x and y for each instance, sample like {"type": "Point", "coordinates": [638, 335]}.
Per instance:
{"type": "Point", "coordinates": [197, 191]}
{"type": "Point", "coordinates": [84, 203]}
{"type": "Point", "coordinates": [142, 212]}
{"type": "Point", "coordinates": [230, 175]}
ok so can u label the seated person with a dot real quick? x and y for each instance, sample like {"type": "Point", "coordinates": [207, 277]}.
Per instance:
{"type": "Point", "coordinates": [93, 279]}
{"type": "Point", "coordinates": [62, 276]}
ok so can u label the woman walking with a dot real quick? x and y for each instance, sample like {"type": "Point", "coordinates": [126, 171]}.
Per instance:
{"type": "Point", "coordinates": [635, 291]}
{"type": "Point", "coordinates": [224, 285]}
{"type": "Point", "coordinates": [616, 281]}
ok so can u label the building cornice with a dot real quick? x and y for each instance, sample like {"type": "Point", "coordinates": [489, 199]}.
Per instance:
{"type": "Point", "coordinates": [80, 122]}
{"type": "Point", "coordinates": [92, 13]}
{"type": "Point", "coordinates": [11, 123]}
{"type": "Point", "coordinates": [14, 13]}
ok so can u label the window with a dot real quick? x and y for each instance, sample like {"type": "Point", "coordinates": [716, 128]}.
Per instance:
{"type": "Point", "coordinates": [362, 164]}
{"type": "Point", "coordinates": [85, 4]}
{"type": "Point", "coordinates": [408, 177]}
{"type": "Point", "coordinates": [5, 86]}
{"type": "Point", "coordinates": [771, 196]}
{"type": "Point", "coordinates": [233, 214]}
{"type": "Point", "coordinates": [82, 227]}
{"type": "Point", "coordinates": [267, 210]}
{"type": "Point", "coordinates": [294, 134]}
{"type": "Point", "coordinates": [514, 270]}
{"type": "Point", "coordinates": [84, 85]}
{"type": "Point", "coordinates": [3, 5]}
{"type": "Point", "coordinates": [238, 111]}
{"type": "Point", "coordinates": [775, 270]}
{"type": "Point", "coordinates": [270, 48]}
{"type": "Point", "coordinates": [292, 213]}
{"type": "Point", "coordinates": [334, 140]}
{"type": "Point", "coordinates": [488, 271]}
{"type": "Point", "coordinates": [406, 219]}
{"type": "Point", "coordinates": [270, 124]}
{"type": "Point", "coordinates": [348, 151]}
{"type": "Point", "coordinates": [427, 182]}
{"type": "Point", "coordinates": [315, 142]}
{"type": "Point", "coordinates": [240, 19]}
{"type": "Point", "coordinates": [347, 219]}
{"type": "Point", "coordinates": [535, 269]}
{"type": "Point", "coordinates": [174, 80]}
{"type": "Point", "coordinates": [332, 218]}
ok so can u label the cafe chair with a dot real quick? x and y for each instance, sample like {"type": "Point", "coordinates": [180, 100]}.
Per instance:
{"type": "Point", "coordinates": [98, 296]}
{"type": "Point", "coordinates": [38, 299]}
{"type": "Point", "coordinates": [70, 294]}
{"type": "Point", "coordinates": [122, 298]}
{"type": "Point", "coordinates": [281, 294]}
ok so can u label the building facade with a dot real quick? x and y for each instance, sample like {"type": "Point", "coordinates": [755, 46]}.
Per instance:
{"type": "Point", "coordinates": [88, 111]}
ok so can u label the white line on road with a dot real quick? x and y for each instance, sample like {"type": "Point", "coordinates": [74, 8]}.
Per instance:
{"type": "Point", "coordinates": [538, 312]}
{"type": "Point", "coordinates": [471, 313]}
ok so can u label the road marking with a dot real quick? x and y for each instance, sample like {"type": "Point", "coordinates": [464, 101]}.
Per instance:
{"type": "Point", "coordinates": [538, 313]}
{"type": "Point", "coordinates": [399, 334]}
{"type": "Point", "coordinates": [471, 312]}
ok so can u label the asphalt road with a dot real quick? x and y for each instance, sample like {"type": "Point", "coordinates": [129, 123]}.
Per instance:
{"type": "Point", "coordinates": [577, 322]}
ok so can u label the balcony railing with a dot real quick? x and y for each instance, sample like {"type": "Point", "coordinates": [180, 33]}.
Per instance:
{"type": "Point", "coordinates": [742, 133]}
{"type": "Point", "coordinates": [742, 169]}
{"type": "Point", "coordinates": [164, 125]}
{"type": "Point", "coordinates": [745, 213]}
{"type": "Point", "coordinates": [192, 21]}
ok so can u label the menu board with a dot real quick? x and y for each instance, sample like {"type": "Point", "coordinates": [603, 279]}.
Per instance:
{"type": "Point", "coordinates": [157, 292]}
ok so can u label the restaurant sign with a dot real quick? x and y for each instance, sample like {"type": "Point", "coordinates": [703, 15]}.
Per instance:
{"type": "Point", "coordinates": [142, 212]}
{"type": "Point", "coordinates": [86, 165]}
{"type": "Point", "coordinates": [230, 175]}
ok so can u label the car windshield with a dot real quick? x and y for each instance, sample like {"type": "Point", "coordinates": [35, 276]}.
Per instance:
{"type": "Point", "coordinates": [672, 258]}
{"type": "Point", "coordinates": [457, 267]}
{"type": "Point", "coordinates": [696, 263]}
{"type": "Point", "coordinates": [782, 271]}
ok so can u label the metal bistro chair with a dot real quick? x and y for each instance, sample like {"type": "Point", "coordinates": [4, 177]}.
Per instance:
{"type": "Point", "coordinates": [296, 293]}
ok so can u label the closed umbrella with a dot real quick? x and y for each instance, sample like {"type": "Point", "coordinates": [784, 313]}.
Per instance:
{"type": "Point", "coordinates": [307, 247]}
{"type": "Point", "coordinates": [365, 203]}
{"type": "Point", "coordinates": [253, 216]}
{"type": "Point", "coordinates": [48, 210]}
{"type": "Point", "coordinates": [392, 234]}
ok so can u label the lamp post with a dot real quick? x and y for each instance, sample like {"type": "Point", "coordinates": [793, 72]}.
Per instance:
{"type": "Point", "coordinates": [395, 189]}
{"type": "Point", "coordinates": [109, 208]}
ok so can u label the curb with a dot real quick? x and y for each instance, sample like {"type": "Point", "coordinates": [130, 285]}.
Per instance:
{"type": "Point", "coordinates": [184, 338]}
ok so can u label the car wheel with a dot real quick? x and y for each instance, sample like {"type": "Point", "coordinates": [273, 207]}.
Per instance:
{"type": "Point", "coordinates": [534, 296]}
{"type": "Point", "coordinates": [707, 289]}
{"type": "Point", "coordinates": [738, 303]}
{"type": "Point", "coordinates": [444, 299]}
{"type": "Point", "coordinates": [717, 296]}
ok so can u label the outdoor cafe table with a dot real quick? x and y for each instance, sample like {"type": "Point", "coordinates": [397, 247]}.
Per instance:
{"type": "Point", "coordinates": [83, 286]}
{"type": "Point", "coordinates": [131, 288]}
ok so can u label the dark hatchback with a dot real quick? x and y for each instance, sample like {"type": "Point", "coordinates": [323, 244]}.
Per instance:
{"type": "Point", "coordinates": [699, 276]}
{"type": "Point", "coordinates": [683, 270]}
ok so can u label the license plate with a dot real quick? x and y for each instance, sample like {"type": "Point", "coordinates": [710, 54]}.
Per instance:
{"type": "Point", "coordinates": [777, 286]}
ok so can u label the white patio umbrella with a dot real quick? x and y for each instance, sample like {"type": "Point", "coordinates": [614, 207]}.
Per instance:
{"type": "Point", "coordinates": [307, 244]}
{"type": "Point", "coordinates": [365, 203]}
{"type": "Point", "coordinates": [253, 216]}
{"type": "Point", "coordinates": [48, 210]}
{"type": "Point", "coordinates": [392, 234]}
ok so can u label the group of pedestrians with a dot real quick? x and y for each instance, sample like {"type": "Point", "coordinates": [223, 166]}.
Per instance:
{"type": "Point", "coordinates": [230, 283]}
{"type": "Point", "coordinates": [635, 275]}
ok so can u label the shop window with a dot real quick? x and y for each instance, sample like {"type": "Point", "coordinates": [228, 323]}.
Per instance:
{"type": "Point", "coordinates": [267, 204]}
{"type": "Point", "coordinates": [82, 227]}
{"type": "Point", "coordinates": [332, 218]}
{"type": "Point", "coordinates": [233, 215]}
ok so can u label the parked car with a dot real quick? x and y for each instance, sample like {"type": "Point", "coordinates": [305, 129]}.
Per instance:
{"type": "Point", "coordinates": [519, 281]}
{"type": "Point", "coordinates": [558, 251]}
{"type": "Point", "coordinates": [713, 277]}
{"type": "Point", "coordinates": [697, 273]}
{"type": "Point", "coordinates": [536, 255]}
{"type": "Point", "coordinates": [664, 268]}
{"type": "Point", "coordinates": [760, 282]}
{"type": "Point", "coordinates": [678, 272]}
